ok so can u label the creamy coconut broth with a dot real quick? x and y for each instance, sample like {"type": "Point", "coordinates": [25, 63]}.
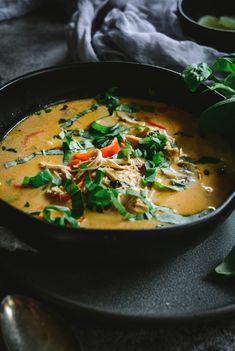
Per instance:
{"type": "Point", "coordinates": [109, 163]}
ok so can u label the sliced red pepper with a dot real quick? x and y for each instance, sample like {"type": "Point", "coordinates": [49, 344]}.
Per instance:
{"type": "Point", "coordinates": [82, 156]}
{"type": "Point", "coordinates": [106, 151]}
{"type": "Point", "coordinates": [74, 162]}
{"type": "Point", "coordinates": [154, 124]}
{"type": "Point", "coordinates": [111, 149]}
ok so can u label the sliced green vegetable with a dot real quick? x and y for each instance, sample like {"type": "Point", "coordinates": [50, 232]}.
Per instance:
{"type": "Point", "coordinates": [173, 218]}
{"type": "Point", "coordinates": [64, 219]}
{"type": "Point", "coordinates": [159, 186]}
{"type": "Point", "coordinates": [76, 196]}
{"type": "Point", "coordinates": [70, 121]}
{"type": "Point", "coordinates": [30, 157]}
{"type": "Point", "coordinates": [42, 178]}
{"type": "Point", "coordinates": [152, 144]}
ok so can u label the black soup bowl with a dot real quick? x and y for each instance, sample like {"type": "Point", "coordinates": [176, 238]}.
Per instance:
{"type": "Point", "coordinates": [25, 95]}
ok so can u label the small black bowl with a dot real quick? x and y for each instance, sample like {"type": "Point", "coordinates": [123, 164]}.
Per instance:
{"type": "Point", "coordinates": [189, 12]}
{"type": "Point", "coordinates": [27, 94]}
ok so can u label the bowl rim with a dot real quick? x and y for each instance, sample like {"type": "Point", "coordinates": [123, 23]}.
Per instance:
{"type": "Point", "coordinates": [192, 21]}
{"type": "Point", "coordinates": [159, 230]}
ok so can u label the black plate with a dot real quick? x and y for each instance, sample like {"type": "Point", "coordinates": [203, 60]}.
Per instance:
{"type": "Point", "coordinates": [26, 94]}
{"type": "Point", "coordinates": [145, 286]}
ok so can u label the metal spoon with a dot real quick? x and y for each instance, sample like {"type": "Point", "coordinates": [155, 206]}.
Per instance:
{"type": "Point", "coordinates": [27, 325]}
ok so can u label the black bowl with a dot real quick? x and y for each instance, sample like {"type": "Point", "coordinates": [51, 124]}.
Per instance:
{"type": "Point", "coordinates": [189, 11]}
{"type": "Point", "coordinates": [30, 92]}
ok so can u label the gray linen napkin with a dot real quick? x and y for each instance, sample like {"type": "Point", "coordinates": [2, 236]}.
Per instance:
{"type": "Point", "coordinates": [146, 31]}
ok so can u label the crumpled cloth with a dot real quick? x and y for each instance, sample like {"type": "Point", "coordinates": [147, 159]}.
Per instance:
{"type": "Point", "coordinates": [146, 31]}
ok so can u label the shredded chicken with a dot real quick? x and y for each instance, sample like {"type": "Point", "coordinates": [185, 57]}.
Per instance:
{"type": "Point", "coordinates": [58, 193]}
{"type": "Point", "coordinates": [124, 116]}
{"type": "Point", "coordinates": [172, 152]}
{"type": "Point", "coordinates": [134, 140]}
{"type": "Point", "coordinates": [62, 170]}
{"type": "Point", "coordinates": [130, 177]}
{"type": "Point", "coordinates": [135, 205]}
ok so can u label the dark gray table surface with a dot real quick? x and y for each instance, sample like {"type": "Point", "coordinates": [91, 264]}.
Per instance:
{"type": "Point", "coordinates": [36, 41]}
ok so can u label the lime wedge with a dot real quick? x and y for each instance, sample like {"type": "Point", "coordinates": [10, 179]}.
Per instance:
{"type": "Point", "coordinates": [219, 118]}
{"type": "Point", "coordinates": [227, 22]}
{"type": "Point", "coordinates": [210, 21]}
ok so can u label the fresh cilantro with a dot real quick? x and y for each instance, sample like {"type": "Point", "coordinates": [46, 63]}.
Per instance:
{"type": "Point", "coordinates": [227, 266]}
{"type": "Point", "coordinates": [150, 173]}
{"type": "Point", "coordinates": [152, 144]}
{"type": "Point", "coordinates": [113, 103]}
{"type": "Point", "coordinates": [219, 76]}
{"type": "Point", "coordinates": [108, 99]}
{"type": "Point", "coordinates": [195, 74]}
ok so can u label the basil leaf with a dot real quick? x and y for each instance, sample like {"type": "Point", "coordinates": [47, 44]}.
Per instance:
{"type": "Point", "coordinates": [173, 218]}
{"type": "Point", "coordinates": [119, 206]}
{"type": "Point", "coordinates": [42, 178]}
{"type": "Point", "coordinates": [70, 121]}
{"type": "Point", "coordinates": [64, 219]}
{"type": "Point", "coordinates": [108, 99]}
{"type": "Point", "coordinates": [152, 144]}
{"type": "Point", "coordinates": [159, 186]}
{"type": "Point", "coordinates": [30, 157]}
{"type": "Point", "coordinates": [76, 196]}
{"type": "Point", "coordinates": [150, 174]}
{"type": "Point", "coordinates": [195, 74]}
{"type": "Point", "coordinates": [227, 266]}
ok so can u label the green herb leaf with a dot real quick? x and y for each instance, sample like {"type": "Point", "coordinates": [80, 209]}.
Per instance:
{"type": "Point", "coordinates": [151, 145]}
{"type": "Point", "coordinates": [150, 173]}
{"type": "Point", "coordinates": [70, 121]}
{"type": "Point", "coordinates": [42, 178]}
{"type": "Point", "coordinates": [108, 99]}
{"type": "Point", "coordinates": [76, 196]}
{"type": "Point", "coordinates": [174, 218]}
{"type": "Point", "coordinates": [30, 157]}
{"type": "Point", "coordinates": [227, 266]}
{"type": "Point", "coordinates": [195, 74]}
{"type": "Point", "coordinates": [64, 219]}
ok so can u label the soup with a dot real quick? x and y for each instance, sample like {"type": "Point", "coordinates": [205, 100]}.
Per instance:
{"type": "Point", "coordinates": [116, 163]}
